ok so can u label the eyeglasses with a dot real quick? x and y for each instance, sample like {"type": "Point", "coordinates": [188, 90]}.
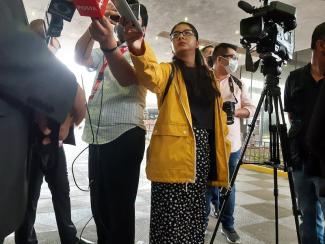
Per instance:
{"type": "Point", "coordinates": [177, 34]}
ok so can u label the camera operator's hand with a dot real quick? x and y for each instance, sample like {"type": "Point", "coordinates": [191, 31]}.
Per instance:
{"type": "Point", "coordinates": [242, 113]}
{"type": "Point", "coordinates": [101, 30]}
{"type": "Point", "coordinates": [133, 37]}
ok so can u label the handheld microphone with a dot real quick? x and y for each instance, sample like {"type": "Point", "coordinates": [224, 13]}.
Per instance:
{"type": "Point", "coordinates": [62, 8]}
{"type": "Point", "coordinates": [246, 7]}
{"type": "Point", "coordinates": [92, 8]}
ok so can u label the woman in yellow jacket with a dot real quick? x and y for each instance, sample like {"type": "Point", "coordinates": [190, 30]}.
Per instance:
{"type": "Point", "coordinates": [188, 148]}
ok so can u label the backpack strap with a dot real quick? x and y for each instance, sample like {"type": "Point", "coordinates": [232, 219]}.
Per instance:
{"type": "Point", "coordinates": [170, 78]}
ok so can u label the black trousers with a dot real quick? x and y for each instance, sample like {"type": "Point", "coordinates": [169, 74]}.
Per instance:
{"type": "Point", "coordinates": [57, 180]}
{"type": "Point", "coordinates": [114, 177]}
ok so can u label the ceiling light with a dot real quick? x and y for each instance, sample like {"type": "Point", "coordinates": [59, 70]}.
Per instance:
{"type": "Point", "coordinates": [186, 19]}
{"type": "Point", "coordinates": [157, 38]}
{"type": "Point", "coordinates": [33, 13]}
{"type": "Point", "coordinates": [237, 32]}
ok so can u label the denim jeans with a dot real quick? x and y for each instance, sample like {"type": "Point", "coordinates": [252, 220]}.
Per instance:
{"type": "Point", "coordinates": [212, 197]}
{"type": "Point", "coordinates": [319, 223]}
{"type": "Point", "coordinates": [227, 219]}
{"type": "Point", "coordinates": [307, 188]}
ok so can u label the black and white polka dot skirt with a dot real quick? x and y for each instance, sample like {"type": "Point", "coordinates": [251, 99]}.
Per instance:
{"type": "Point", "coordinates": [178, 210]}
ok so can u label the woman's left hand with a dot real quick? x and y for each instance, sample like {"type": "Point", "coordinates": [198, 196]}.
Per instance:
{"type": "Point", "coordinates": [133, 37]}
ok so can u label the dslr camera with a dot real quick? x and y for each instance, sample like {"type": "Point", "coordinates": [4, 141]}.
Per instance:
{"type": "Point", "coordinates": [229, 108]}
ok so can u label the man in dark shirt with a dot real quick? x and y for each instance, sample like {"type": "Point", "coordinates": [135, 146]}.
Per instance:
{"type": "Point", "coordinates": [300, 95]}
{"type": "Point", "coordinates": [316, 134]}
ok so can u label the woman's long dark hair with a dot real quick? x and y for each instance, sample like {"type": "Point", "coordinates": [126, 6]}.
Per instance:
{"type": "Point", "coordinates": [204, 87]}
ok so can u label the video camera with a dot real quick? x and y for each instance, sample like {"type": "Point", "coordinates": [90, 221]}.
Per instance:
{"type": "Point", "coordinates": [270, 28]}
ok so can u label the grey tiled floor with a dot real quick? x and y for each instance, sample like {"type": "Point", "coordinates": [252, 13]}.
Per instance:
{"type": "Point", "coordinates": [254, 213]}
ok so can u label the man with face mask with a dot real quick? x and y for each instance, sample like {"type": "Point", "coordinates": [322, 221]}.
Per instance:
{"type": "Point", "coordinates": [303, 88]}
{"type": "Point", "coordinates": [56, 175]}
{"type": "Point", "coordinates": [114, 127]}
{"type": "Point", "coordinates": [233, 91]}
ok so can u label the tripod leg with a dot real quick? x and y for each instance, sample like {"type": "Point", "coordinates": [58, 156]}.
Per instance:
{"type": "Point", "coordinates": [275, 162]}
{"type": "Point", "coordinates": [282, 131]}
{"type": "Point", "coordinates": [240, 161]}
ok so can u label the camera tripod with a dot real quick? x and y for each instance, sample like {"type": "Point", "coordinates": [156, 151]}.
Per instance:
{"type": "Point", "coordinates": [271, 95]}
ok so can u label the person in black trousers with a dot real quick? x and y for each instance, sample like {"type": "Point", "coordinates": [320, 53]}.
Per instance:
{"type": "Point", "coordinates": [114, 129]}
{"type": "Point", "coordinates": [57, 179]}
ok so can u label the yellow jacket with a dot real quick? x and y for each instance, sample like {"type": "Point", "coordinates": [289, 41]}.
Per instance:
{"type": "Point", "coordinates": [171, 155]}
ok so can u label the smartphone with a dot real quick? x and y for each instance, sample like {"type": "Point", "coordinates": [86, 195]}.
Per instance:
{"type": "Point", "coordinates": [131, 12]}
{"type": "Point", "coordinates": [135, 9]}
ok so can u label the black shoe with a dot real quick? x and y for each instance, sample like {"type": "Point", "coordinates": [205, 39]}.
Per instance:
{"type": "Point", "coordinates": [83, 241]}
{"type": "Point", "coordinates": [231, 235]}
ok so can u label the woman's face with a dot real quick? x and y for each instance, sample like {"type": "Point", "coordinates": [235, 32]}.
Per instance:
{"type": "Point", "coordinates": [183, 39]}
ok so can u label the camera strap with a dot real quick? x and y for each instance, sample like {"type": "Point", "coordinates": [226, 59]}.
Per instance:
{"type": "Point", "coordinates": [231, 87]}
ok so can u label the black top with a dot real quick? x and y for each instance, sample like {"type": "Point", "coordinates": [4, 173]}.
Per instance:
{"type": "Point", "coordinates": [202, 111]}
{"type": "Point", "coordinates": [316, 132]}
{"type": "Point", "coordinates": [300, 95]}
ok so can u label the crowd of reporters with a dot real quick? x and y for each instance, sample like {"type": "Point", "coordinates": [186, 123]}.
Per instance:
{"type": "Point", "coordinates": [192, 151]}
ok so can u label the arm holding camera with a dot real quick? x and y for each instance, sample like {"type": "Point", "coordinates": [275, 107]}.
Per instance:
{"type": "Point", "coordinates": [247, 108]}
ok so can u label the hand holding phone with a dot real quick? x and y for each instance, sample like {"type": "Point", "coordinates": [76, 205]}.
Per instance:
{"type": "Point", "coordinates": [129, 12]}
{"type": "Point", "coordinates": [114, 16]}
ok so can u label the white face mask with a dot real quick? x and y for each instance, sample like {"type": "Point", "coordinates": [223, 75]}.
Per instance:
{"type": "Point", "coordinates": [232, 66]}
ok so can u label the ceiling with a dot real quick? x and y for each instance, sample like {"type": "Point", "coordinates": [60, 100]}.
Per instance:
{"type": "Point", "coordinates": [216, 20]}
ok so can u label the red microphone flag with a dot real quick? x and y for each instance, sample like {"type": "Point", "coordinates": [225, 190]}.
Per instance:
{"type": "Point", "coordinates": [92, 8]}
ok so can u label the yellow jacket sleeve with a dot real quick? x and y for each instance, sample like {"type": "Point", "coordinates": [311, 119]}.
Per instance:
{"type": "Point", "coordinates": [149, 73]}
